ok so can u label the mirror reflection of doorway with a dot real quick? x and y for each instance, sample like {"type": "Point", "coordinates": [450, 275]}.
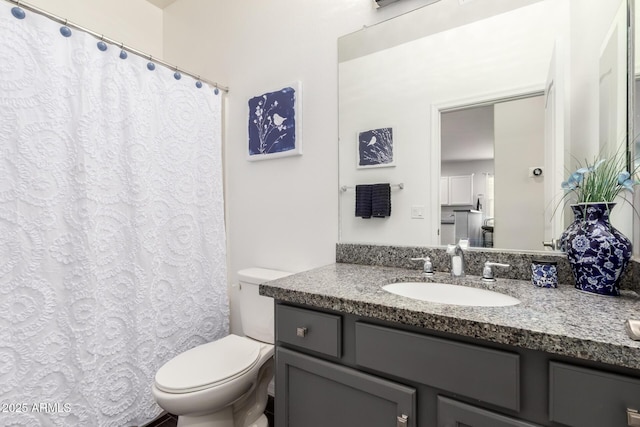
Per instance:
{"type": "Point", "coordinates": [488, 192]}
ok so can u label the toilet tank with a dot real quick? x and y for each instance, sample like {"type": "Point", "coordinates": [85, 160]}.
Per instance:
{"type": "Point", "coordinates": [256, 311]}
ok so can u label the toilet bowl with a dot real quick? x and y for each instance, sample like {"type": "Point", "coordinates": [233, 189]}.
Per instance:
{"type": "Point", "coordinates": [224, 383]}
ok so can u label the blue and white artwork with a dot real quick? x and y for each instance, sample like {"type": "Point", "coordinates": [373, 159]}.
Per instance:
{"type": "Point", "coordinates": [274, 123]}
{"type": "Point", "coordinates": [375, 148]}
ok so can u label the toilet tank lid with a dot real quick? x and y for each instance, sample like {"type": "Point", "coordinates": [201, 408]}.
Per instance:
{"type": "Point", "coordinates": [257, 275]}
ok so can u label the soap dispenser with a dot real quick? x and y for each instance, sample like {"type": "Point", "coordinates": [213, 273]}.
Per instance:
{"type": "Point", "coordinates": [457, 259]}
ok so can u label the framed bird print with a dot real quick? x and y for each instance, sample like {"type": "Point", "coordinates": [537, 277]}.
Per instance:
{"type": "Point", "coordinates": [275, 124]}
{"type": "Point", "coordinates": [375, 148]}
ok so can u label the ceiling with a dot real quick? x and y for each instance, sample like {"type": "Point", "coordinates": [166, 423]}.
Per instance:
{"type": "Point", "coordinates": [467, 134]}
{"type": "Point", "coordinates": [161, 3]}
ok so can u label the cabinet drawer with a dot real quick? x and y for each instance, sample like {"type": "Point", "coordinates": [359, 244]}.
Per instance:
{"type": "Point", "coordinates": [309, 329]}
{"type": "Point", "coordinates": [485, 374]}
{"type": "Point", "coordinates": [581, 397]}
{"type": "Point", "coordinates": [452, 413]}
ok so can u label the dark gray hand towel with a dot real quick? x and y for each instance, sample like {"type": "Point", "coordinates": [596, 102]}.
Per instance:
{"type": "Point", "coordinates": [381, 200]}
{"type": "Point", "coordinates": [363, 200]}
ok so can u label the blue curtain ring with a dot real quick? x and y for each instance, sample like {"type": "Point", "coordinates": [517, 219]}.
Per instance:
{"type": "Point", "coordinates": [17, 12]}
{"type": "Point", "coordinates": [102, 46]}
{"type": "Point", "coordinates": [177, 75]}
{"type": "Point", "coordinates": [216, 91]}
{"type": "Point", "coordinates": [65, 31]}
{"type": "Point", "coordinates": [123, 54]}
{"type": "Point", "coordinates": [151, 66]}
{"type": "Point", "coordinates": [198, 84]}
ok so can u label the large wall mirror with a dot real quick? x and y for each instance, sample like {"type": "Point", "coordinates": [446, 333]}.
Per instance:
{"type": "Point", "coordinates": [482, 108]}
{"type": "Point", "coordinates": [634, 113]}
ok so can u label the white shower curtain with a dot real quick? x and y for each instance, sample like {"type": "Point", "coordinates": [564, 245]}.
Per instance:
{"type": "Point", "coordinates": [112, 244]}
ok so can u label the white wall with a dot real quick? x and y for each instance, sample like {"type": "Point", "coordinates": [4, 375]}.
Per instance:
{"type": "Point", "coordinates": [590, 22]}
{"type": "Point", "coordinates": [136, 23]}
{"type": "Point", "coordinates": [281, 213]}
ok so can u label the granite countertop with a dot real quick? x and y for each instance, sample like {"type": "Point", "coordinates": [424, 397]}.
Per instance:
{"type": "Point", "coordinates": [563, 321]}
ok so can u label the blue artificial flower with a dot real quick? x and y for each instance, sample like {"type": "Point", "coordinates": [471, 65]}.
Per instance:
{"type": "Point", "coordinates": [625, 181]}
{"type": "Point", "coordinates": [592, 168]}
{"type": "Point", "coordinates": [623, 177]}
{"type": "Point", "coordinates": [628, 185]}
{"type": "Point", "coordinates": [576, 177]}
{"type": "Point", "coordinates": [601, 185]}
{"type": "Point", "coordinates": [574, 181]}
{"type": "Point", "coordinates": [582, 171]}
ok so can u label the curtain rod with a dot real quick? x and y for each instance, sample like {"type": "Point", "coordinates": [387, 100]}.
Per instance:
{"type": "Point", "coordinates": [121, 45]}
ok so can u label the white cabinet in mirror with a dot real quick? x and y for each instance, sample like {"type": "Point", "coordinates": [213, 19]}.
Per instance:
{"type": "Point", "coordinates": [509, 55]}
{"type": "Point", "coordinates": [456, 190]}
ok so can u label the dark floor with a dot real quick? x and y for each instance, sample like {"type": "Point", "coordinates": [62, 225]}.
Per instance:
{"type": "Point", "coordinates": [169, 420]}
{"type": "Point", "coordinates": [269, 411]}
{"type": "Point", "coordinates": [164, 420]}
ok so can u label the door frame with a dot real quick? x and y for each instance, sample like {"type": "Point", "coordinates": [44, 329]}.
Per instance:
{"type": "Point", "coordinates": [444, 106]}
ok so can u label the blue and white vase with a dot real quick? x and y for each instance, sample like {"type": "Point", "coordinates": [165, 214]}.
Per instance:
{"type": "Point", "coordinates": [578, 217]}
{"type": "Point", "coordinates": [598, 253]}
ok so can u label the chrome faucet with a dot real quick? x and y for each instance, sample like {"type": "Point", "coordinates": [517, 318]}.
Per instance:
{"type": "Point", "coordinates": [457, 260]}
{"type": "Point", "coordinates": [427, 267]}
{"type": "Point", "coordinates": [487, 272]}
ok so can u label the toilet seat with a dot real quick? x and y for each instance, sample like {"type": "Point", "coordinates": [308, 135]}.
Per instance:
{"type": "Point", "coordinates": [208, 365]}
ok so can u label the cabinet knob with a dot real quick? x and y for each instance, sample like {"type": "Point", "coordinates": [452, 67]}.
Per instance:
{"type": "Point", "coordinates": [633, 418]}
{"type": "Point", "coordinates": [301, 332]}
{"type": "Point", "coordinates": [403, 421]}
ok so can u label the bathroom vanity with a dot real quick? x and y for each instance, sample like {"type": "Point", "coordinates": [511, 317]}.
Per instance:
{"type": "Point", "coordinates": [349, 353]}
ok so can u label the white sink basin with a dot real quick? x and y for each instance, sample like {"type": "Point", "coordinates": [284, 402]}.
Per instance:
{"type": "Point", "coordinates": [450, 294]}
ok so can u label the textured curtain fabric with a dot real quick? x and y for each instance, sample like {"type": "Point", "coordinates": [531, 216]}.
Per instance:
{"type": "Point", "coordinates": [112, 241]}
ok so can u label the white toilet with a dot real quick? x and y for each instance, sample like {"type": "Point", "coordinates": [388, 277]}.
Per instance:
{"type": "Point", "coordinates": [224, 383]}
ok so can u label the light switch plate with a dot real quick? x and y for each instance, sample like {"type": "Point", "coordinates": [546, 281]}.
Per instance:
{"type": "Point", "coordinates": [417, 212]}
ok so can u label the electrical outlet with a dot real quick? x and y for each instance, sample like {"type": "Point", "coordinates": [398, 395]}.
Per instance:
{"type": "Point", "coordinates": [417, 212]}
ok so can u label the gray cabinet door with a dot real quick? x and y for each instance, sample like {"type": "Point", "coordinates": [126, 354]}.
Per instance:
{"type": "Point", "coordinates": [581, 397]}
{"type": "Point", "coordinates": [314, 393]}
{"type": "Point", "coordinates": [452, 413]}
